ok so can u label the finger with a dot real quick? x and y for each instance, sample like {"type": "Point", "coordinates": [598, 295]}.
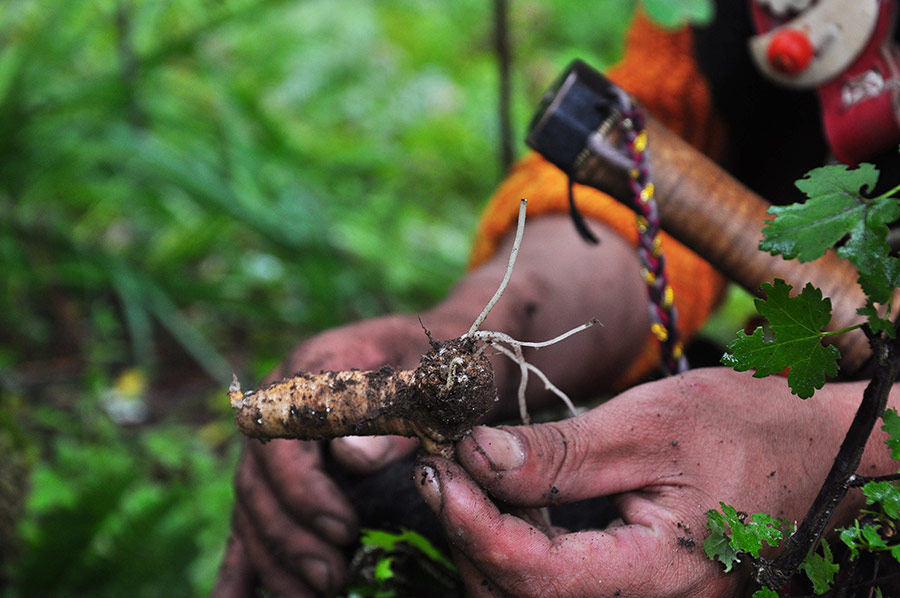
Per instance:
{"type": "Point", "coordinates": [567, 461]}
{"type": "Point", "coordinates": [476, 582]}
{"type": "Point", "coordinates": [366, 454]}
{"type": "Point", "coordinates": [295, 548]}
{"type": "Point", "coordinates": [236, 578]}
{"type": "Point", "coordinates": [293, 470]}
{"type": "Point", "coordinates": [274, 577]}
{"type": "Point", "coordinates": [522, 561]}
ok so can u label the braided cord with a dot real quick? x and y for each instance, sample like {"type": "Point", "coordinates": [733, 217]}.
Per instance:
{"type": "Point", "coordinates": [664, 316]}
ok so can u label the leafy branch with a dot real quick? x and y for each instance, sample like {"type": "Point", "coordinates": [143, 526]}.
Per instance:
{"type": "Point", "coordinates": [839, 214]}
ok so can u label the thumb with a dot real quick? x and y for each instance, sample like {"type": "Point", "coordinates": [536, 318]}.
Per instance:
{"type": "Point", "coordinates": [555, 463]}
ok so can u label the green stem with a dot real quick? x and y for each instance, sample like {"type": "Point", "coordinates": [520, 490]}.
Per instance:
{"type": "Point", "coordinates": [842, 330]}
{"type": "Point", "coordinates": [887, 194]}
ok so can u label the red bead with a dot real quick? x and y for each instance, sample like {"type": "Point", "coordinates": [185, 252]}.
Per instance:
{"type": "Point", "coordinates": [790, 51]}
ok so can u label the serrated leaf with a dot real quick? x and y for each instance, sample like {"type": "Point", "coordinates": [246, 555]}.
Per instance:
{"type": "Point", "coordinates": [749, 537]}
{"type": "Point", "coordinates": [796, 323]}
{"type": "Point", "coordinates": [868, 250]}
{"type": "Point", "coordinates": [834, 206]}
{"type": "Point", "coordinates": [820, 568]}
{"type": "Point", "coordinates": [836, 209]}
{"type": "Point", "coordinates": [885, 494]}
{"type": "Point", "coordinates": [872, 537]}
{"type": "Point", "coordinates": [850, 536]}
{"type": "Point", "coordinates": [891, 425]}
{"type": "Point", "coordinates": [732, 533]}
{"type": "Point", "coordinates": [876, 322]}
{"type": "Point", "coordinates": [718, 545]}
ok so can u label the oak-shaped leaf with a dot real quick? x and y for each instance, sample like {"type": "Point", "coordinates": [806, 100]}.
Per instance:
{"type": "Point", "coordinates": [820, 568]}
{"type": "Point", "coordinates": [886, 495]}
{"type": "Point", "coordinates": [796, 324]}
{"type": "Point", "coordinates": [878, 323]}
{"type": "Point", "coordinates": [718, 545]}
{"type": "Point", "coordinates": [837, 211]}
{"type": "Point", "coordinates": [733, 533]}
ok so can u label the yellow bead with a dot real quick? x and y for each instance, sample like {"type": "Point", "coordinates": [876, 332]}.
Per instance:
{"type": "Point", "coordinates": [634, 173]}
{"type": "Point", "coordinates": [659, 331]}
{"type": "Point", "coordinates": [668, 297]}
{"type": "Point", "coordinates": [642, 224]}
{"type": "Point", "coordinates": [677, 351]}
{"type": "Point", "coordinates": [656, 247]}
{"type": "Point", "coordinates": [647, 192]}
{"type": "Point", "coordinates": [640, 142]}
{"type": "Point", "coordinates": [648, 276]}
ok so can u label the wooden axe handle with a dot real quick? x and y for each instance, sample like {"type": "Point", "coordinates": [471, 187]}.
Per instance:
{"type": "Point", "coordinates": [705, 208]}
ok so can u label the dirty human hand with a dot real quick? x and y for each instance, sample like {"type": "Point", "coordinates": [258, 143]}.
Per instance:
{"type": "Point", "coordinates": [290, 520]}
{"type": "Point", "coordinates": [665, 452]}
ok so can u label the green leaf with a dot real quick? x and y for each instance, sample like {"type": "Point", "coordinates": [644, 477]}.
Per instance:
{"type": "Point", "coordinates": [747, 534]}
{"type": "Point", "coordinates": [675, 13]}
{"type": "Point", "coordinates": [796, 323]}
{"type": "Point", "coordinates": [850, 536]}
{"type": "Point", "coordinates": [383, 570]}
{"type": "Point", "coordinates": [868, 250]}
{"type": "Point", "coordinates": [834, 206]}
{"type": "Point", "coordinates": [765, 593]}
{"type": "Point", "coordinates": [873, 539]}
{"type": "Point", "coordinates": [718, 545]}
{"type": "Point", "coordinates": [388, 542]}
{"type": "Point", "coordinates": [749, 537]}
{"type": "Point", "coordinates": [820, 568]}
{"type": "Point", "coordinates": [876, 322]}
{"type": "Point", "coordinates": [835, 210]}
{"type": "Point", "coordinates": [886, 494]}
{"type": "Point", "coordinates": [892, 427]}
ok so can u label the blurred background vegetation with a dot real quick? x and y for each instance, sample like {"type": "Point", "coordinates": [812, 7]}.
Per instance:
{"type": "Point", "coordinates": [190, 187]}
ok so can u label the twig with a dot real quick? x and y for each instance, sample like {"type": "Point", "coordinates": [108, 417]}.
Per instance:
{"type": "Point", "coordinates": [857, 481]}
{"type": "Point", "coordinates": [777, 572]}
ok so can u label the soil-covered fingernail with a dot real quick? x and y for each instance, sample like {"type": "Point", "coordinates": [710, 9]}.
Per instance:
{"type": "Point", "coordinates": [429, 486]}
{"type": "Point", "coordinates": [317, 573]}
{"type": "Point", "coordinates": [334, 529]}
{"type": "Point", "coordinates": [502, 449]}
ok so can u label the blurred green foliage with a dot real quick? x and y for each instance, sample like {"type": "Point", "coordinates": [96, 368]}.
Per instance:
{"type": "Point", "coordinates": [189, 187]}
{"type": "Point", "coordinates": [218, 173]}
{"type": "Point", "coordinates": [117, 514]}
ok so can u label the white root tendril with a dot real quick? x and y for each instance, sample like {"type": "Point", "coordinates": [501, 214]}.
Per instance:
{"type": "Point", "coordinates": [520, 230]}
{"type": "Point", "coordinates": [516, 356]}
{"type": "Point", "coordinates": [513, 350]}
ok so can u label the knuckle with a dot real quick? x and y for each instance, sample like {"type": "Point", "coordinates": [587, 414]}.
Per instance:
{"type": "Point", "coordinates": [566, 453]}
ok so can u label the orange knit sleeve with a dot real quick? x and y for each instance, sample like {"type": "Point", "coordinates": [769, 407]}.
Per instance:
{"type": "Point", "coordinates": [657, 68]}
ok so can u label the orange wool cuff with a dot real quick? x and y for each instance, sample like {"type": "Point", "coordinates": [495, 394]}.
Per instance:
{"type": "Point", "coordinates": [658, 68]}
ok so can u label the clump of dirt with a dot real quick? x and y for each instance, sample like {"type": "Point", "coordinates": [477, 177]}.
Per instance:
{"type": "Point", "coordinates": [453, 389]}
